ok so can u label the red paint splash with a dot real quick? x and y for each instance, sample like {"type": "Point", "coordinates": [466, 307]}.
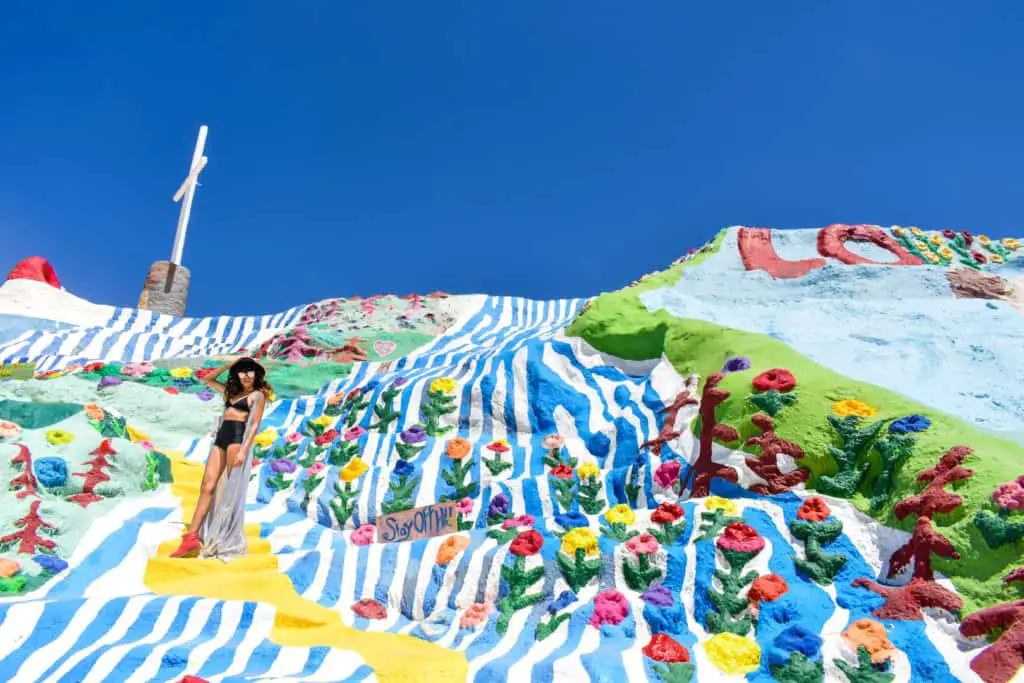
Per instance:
{"type": "Point", "coordinates": [26, 481]}
{"type": "Point", "coordinates": [705, 469]}
{"type": "Point", "coordinates": [95, 475]}
{"type": "Point", "coordinates": [28, 539]}
{"type": "Point", "coordinates": [671, 413]}
{"type": "Point", "coordinates": [1000, 661]}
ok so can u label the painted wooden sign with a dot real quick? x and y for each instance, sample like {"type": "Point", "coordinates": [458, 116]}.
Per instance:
{"type": "Point", "coordinates": [17, 370]}
{"type": "Point", "coordinates": [408, 525]}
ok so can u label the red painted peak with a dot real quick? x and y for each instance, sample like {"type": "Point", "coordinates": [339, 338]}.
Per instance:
{"type": "Point", "coordinates": [35, 268]}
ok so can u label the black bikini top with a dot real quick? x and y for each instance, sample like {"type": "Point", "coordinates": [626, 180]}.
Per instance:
{"type": "Point", "coordinates": [241, 404]}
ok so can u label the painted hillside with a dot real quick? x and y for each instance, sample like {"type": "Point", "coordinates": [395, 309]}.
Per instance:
{"type": "Point", "coordinates": [792, 455]}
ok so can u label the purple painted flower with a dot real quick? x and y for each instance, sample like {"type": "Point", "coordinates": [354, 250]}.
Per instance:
{"type": "Point", "coordinates": [204, 395]}
{"type": "Point", "coordinates": [282, 466]}
{"type": "Point", "coordinates": [736, 364]}
{"type": "Point", "coordinates": [110, 381]}
{"type": "Point", "coordinates": [500, 505]}
{"type": "Point", "coordinates": [659, 596]}
{"type": "Point", "coordinates": [399, 381]}
{"type": "Point", "coordinates": [413, 435]}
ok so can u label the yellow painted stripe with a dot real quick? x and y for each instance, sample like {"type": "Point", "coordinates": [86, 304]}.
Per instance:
{"type": "Point", "coordinates": [298, 622]}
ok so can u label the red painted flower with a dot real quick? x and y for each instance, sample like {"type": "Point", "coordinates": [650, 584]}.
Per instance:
{"type": "Point", "coordinates": [978, 256]}
{"type": "Point", "coordinates": [93, 367]}
{"type": "Point", "coordinates": [352, 394]}
{"type": "Point", "coordinates": [1014, 576]}
{"type": "Point", "coordinates": [948, 234]}
{"type": "Point", "coordinates": [527, 543]}
{"type": "Point", "coordinates": [777, 379]}
{"type": "Point", "coordinates": [767, 588]}
{"type": "Point", "coordinates": [327, 437]}
{"type": "Point", "coordinates": [667, 513]}
{"type": "Point", "coordinates": [562, 472]}
{"type": "Point", "coordinates": [968, 237]}
{"type": "Point", "coordinates": [741, 538]}
{"type": "Point", "coordinates": [814, 509]}
{"type": "Point", "coordinates": [664, 648]}
{"type": "Point", "coordinates": [170, 390]}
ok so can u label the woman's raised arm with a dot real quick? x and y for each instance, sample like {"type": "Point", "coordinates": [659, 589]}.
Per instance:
{"type": "Point", "coordinates": [211, 379]}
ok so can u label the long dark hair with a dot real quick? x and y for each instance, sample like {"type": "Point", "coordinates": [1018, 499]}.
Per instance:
{"type": "Point", "coordinates": [234, 387]}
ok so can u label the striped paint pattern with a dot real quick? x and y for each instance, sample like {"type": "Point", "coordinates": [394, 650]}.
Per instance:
{"type": "Point", "coordinates": [519, 379]}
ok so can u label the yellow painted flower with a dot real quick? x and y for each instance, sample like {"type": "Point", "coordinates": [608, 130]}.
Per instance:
{"type": "Point", "coordinates": [443, 385]}
{"type": "Point", "coordinates": [916, 232]}
{"type": "Point", "coordinates": [1011, 244]}
{"type": "Point", "coordinates": [58, 437]}
{"type": "Point", "coordinates": [984, 240]}
{"type": "Point", "coordinates": [852, 407]}
{"type": "Point", "coordinates": [137, 434]}
{"type": "Point", "coordinates": [620, 514]}
{"type": "Point", "coordinates": [946, 253]}
{"type": "Point", "coordinates": [922, 246]}
{"type": "Point", "coordinates": [724, 504]}
{"type": "Point", "coordinates": [898, 231]}
{"type": "Point", "coordinates": [733, 654]}
{"type": "Point", "coordinates": [932, 258]}
{"type": "Point", "coordinates": [936, 239]}
{"type": "Point", "coordinates": [579, 538]}
{"type": "Point", "coordinates": [266, 438]}
{"type": "Point", "coordinates": [271, 396]}
{"type": "Point", "coordinates": [323, 421]}
{"type": "Point", "coordinates": [353, 470]}
{"type": "Point", "coordinates": [181, 373]}
{"type": "Point", "coordinates": [588, 470]}
{"type": "Point", "coordinates": [996, 258]}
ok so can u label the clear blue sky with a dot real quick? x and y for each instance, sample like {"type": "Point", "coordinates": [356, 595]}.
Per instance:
{"type": "Point", "coordinates": [545, 149]}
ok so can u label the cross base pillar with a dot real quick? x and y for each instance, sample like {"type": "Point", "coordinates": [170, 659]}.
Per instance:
{"type": "Point", "coordinates": [166, 289]}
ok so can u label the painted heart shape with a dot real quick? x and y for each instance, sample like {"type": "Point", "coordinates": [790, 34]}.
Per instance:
{"type": "Point", "coordinates": [384, 348]}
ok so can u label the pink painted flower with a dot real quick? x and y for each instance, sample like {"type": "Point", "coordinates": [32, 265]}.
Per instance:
{"type": "Point", "coordinates": [464, 506]}
{"type": "Point", "coordinates": [521, 520]}
{"type": "Point", "coordinates": [553, 441]}
{"type": "Point", "coordinates": [476, 614]}
{"type": "Point", "coordinates": [354, 433]}
{"type": "Point", "coordinates": [644, 544]}
{"type": "Point", "coordinates": [610, 607]}
{"type": "Point", "coordinates": [1010, 496]}
{"type": "Point", "coordinates": [294, 437]}
{"type": "Point", "coordinates": [316, 468]}
{"type": "Point", "coordinates": [667, 473]}
{"type": "Point", "coordinates": [148, 445]}
{"type": "Point", "coordinates": [741, 538]}
{"type": "Point", "coordinates": [137, 369]}
{"type": "Point", "coordinates": [9, 430]}
{"type": "Point", "coordinates": [364, 534]}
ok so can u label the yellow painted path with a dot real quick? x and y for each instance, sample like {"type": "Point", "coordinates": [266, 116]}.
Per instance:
{"type": "Point", "coordinates": [298, 622]}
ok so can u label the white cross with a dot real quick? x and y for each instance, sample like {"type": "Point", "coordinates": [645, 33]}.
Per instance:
{"type": "Point", "coordinates": [188, 191]}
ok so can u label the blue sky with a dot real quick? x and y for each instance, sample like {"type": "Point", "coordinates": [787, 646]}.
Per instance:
{"type": "Point", "coordinates": [544, 149]}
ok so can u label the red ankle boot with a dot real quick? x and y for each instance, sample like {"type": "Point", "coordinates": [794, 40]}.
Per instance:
{"type": "Point", "coordinates": [189, 546]}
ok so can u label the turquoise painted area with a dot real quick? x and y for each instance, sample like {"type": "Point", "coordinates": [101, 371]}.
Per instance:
{"type": "Point", "coordinates": [896, 327]}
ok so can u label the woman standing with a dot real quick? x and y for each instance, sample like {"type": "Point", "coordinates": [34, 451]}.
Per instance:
{"type": "Point", "coordinates": [217, 527]}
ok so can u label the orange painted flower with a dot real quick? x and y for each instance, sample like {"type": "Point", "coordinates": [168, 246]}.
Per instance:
{"type": "Point", "coordinates": [872, 635]}
{"type": "Point", "coordinates": [93, 411]}
{"type": "Point", "coordinates": [450, 549]}
{"type": "Point", "coordinates": [458, 449]}
{"type": "Point", "coordinates": [767, 588]}
{"type": "Point", "coordinates": [814, 509]}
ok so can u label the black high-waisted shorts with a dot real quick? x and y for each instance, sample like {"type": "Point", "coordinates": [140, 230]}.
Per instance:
{"type": "Point", "coordinates": [230, 432]}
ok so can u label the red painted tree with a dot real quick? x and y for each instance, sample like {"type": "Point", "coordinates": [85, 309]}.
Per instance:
{"type": "Point", "coordinates": [905, 602]}
{"type": "Point", "coordinates": [699, 476]}
{"type": "Point", "coordinates": [26, 481]}
{"type": "Point", "coordinates": [1000, 661]}
{"type": "Point", "coordinates": [27, 538]}
{"type": "Point", "coordinates": [767, 465]}
{"type": "Point", "coordinates": [668, 431]}
{"type": "Point", "coordinates": [935, 498]}
{"type": "Point", "coordinates": [95, 475]}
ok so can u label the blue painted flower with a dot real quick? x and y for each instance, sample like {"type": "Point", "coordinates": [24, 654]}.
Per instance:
{"type": "Point", "coordinates": [50, 563]}
{"type": "Point", "coordinates": [403, 469]}
{"type": "Point", "coordinates": [658, 595]}
{"type": "Point", "coordinates": [736, 364]}
{"type": "Point", "coordinates": [501, 504]}
{"type": "Point", "coordinates": [204, 395]}
{"type": "Point", "coordinates": [565, 599]}
{"type": "Point", "coordinates": [910, 424]}
{"type": "Point", "coordinates": [572, 520]}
